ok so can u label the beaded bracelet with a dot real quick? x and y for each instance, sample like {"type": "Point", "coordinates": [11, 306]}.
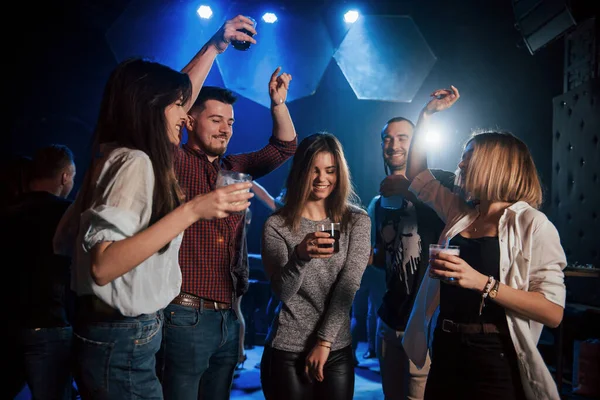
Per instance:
{"type": "Point", "coordinates": [486, 292]}
{"type": "Point", "coordinates": [488, 286]}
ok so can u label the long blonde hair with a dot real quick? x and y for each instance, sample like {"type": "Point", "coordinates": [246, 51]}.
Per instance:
{"type": "Point", "coordinates": [502, 169]}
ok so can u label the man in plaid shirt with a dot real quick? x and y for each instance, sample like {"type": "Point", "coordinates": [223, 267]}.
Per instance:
{"type": "Point", "coordinates": [201, 334]}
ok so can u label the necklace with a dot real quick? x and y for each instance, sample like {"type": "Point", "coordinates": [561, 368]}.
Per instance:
{"type": "Point", "coordinates": [473, 226]}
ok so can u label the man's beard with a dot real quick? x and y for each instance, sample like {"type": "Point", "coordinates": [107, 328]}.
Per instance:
{"type": "Point", "coordinates": [392, 165]}
{"type": "Point", "coordinates": [215, 151]}
{"type": "Point", "coordinates": [399, 167]}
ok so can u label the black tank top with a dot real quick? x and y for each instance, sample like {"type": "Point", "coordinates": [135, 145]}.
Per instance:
{"type": "Point", "coordinates": [462, 305]}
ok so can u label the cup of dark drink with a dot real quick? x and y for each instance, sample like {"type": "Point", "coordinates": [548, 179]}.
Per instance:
{"type": "Point", "coordinates": [242, 44]}
{"type": "Point", "coordinates": [333, 228]}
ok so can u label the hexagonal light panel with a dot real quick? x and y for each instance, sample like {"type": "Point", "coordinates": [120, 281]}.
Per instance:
{"type": "Point", "coordinates": [385, 58]}
{"type": "Point", "coordinates": [298, 42]}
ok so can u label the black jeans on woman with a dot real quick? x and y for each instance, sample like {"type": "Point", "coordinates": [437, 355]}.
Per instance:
{"type": "Point", "coordinates": [473, 366]}
{"type": "Point", "coordinates": [282, 376]}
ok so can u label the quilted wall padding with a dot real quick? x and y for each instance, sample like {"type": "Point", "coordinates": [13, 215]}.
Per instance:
{"type": "Point", "coordinates": [576, 172]}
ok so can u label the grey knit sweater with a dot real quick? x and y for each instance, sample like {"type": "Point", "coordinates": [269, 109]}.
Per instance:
{"type": "Point", "coordinates": [316, 295]}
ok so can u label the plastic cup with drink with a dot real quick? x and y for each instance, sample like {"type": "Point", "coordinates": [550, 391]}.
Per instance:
{"type": "Point", "coordinates": [435, 249]}
{"type": "Point", "coordinates": [242, 44]}
{"type": "Point", "coordinates": [395, 202]}
{"type": "Point", "coordinates": [226, 178]}
{"type": "Point", "coordinates": [333, 228]}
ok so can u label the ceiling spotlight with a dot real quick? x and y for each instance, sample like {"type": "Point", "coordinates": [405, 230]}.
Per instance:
{"type": "Point", "coordinates": [204, 12]}
{"type": "Point", "coordinates": [351, 16]}
{"type": "Point", "coordinates": [269, 18]}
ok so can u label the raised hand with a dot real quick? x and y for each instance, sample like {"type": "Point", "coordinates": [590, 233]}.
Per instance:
{"type": "Point", "coordinates": [278, 86]}
{"type": "Point", "coordinates": [309, 247]}
{"type": "Point", "coordinates": [221, 202]}
{"type": "Point", "coordinates": [393, 185]}
{"type": "Point", "coordinates": [442, 99]}
{"type": "Point", "coordinates": [230, 30]}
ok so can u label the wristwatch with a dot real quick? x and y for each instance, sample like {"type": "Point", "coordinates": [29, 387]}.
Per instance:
{"type": "Point", "coordinates": [494, 291]}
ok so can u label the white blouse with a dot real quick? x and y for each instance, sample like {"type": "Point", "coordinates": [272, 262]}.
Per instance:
{"type": "Point", "coordinates": [531, 259]}
{"type": "Point", "coordinates": [120, 208]}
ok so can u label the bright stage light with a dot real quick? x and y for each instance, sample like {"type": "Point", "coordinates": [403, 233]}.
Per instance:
{"type": "Point", "coordinates": [204, 12]}
{"type": "Point", "coordinates": [434, 138]}
{"type": "Point", "coordinates": [351, 16]}
{"type": "Point", "coordinates": [269, 18]}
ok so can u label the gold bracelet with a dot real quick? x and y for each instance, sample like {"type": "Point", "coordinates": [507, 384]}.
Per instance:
{"type": "Point", "coordinates": [323, 345]}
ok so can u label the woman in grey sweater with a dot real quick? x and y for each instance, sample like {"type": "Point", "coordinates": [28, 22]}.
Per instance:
{"type": "Point", "coordinates": [308, 353]}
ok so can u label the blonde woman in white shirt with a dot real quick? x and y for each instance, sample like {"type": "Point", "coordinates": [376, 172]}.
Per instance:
{"type": "Point", "coordinates": [507, 282]}
{"type": "Point", "coordinates": [129, 219]}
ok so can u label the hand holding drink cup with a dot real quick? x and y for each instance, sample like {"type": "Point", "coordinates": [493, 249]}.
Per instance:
{"type": "Point", "coordinates": [249, 29]}
{"type": "Point", "coordinates": [226, 178]}
{"type": "Point", "coordinates": [333, 229]}
{"type": "Point", "coordinates": [239, 31]}
{"type": "Point", "coordinates": [446, 265]}
{"type": "Point", "coordinates": [322, 243]}
{"type": "Point", "coordinates": [222, 202]}
{"type": "Point", "coordinates": [437, 271]}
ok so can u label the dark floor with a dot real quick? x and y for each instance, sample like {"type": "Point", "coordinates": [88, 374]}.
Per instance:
{"type": "Point", "coordinates": [246, 385]}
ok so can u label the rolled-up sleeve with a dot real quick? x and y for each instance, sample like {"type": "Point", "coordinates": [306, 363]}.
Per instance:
{"type": "Point", "coordinates": [123, 205]}
{"type": "Point", "coordinates": [261, 162]}
{"type": "Point", "coordinates": [437, 196]}
{"type": "Point", "coordinates": [548, 260]}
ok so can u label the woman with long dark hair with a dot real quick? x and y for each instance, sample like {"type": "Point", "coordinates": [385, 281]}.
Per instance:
{"type": "Point", "coordinates": [308, 352]}
{"type": "Point", "coordinates": [129, 220]}
{"type": "Point", "coordinates": [507, 282]}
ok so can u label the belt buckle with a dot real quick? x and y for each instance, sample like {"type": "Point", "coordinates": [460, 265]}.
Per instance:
{"type": "Point", "coordinates": [446, 325]}
{"type": "Point", "coordinates": [186, 301]}
{"type": "Point", "coordinates": [216, 305]}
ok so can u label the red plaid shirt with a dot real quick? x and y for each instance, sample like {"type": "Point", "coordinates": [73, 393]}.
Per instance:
{"type": "Point", "coordinates": [209, 251]}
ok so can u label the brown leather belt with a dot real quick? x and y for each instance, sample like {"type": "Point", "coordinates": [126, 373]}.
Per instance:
{"type": "Point", "coordinates": [189, 300]}
{"type": "Point", "coordinates": [453, 327]}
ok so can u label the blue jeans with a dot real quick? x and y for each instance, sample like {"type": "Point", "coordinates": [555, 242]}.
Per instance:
{"type": "Point", "coordinates": [200, 352]}
{"type": "Point", "coordinates": [116, 358]}
{"type": "Point", "coordinates": [46, 355]}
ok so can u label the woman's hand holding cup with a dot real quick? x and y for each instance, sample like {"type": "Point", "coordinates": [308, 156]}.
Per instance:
{"type": "Point", "coordinates": [310, 248]}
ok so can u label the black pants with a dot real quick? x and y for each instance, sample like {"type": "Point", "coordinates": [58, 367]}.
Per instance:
{"type": "Point", "coordinates": [473, 366]}
{"type": "Point", "coordinates": [282, 376]}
